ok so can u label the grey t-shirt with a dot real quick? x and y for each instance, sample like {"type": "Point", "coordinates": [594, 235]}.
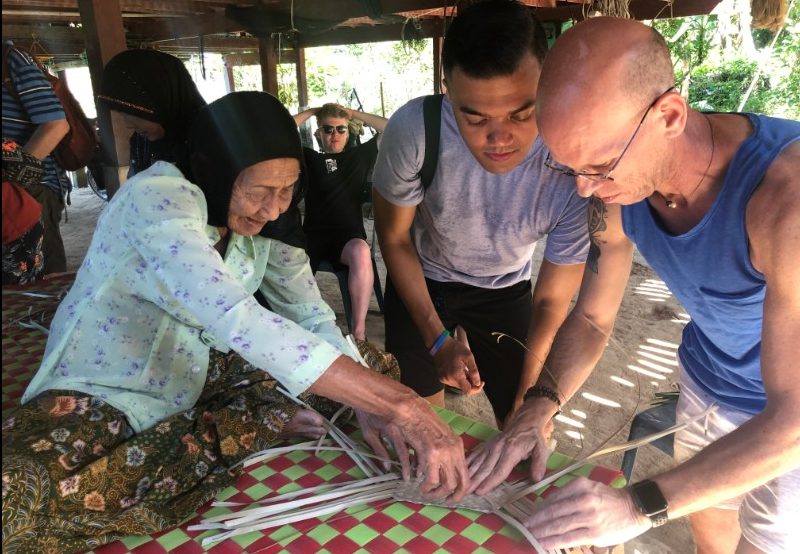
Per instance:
{"type": "Point", "coordinates": [472, 226]}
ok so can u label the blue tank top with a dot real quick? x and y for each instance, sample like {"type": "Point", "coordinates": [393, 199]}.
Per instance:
{"type": "Point", "coordinates": [708, 270]}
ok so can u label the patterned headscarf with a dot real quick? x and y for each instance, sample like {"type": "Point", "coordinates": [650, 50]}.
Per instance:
{"type": "Point", "coordinates": [233, 133]}
{"type": "Point", "coordinates": [19, 167]}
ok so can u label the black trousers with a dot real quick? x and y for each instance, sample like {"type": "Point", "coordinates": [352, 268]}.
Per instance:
{"type": "Point", "coordinates": [480, 312]}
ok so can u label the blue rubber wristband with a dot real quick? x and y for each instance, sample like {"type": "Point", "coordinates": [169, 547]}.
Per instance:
{"type": "Point", "coordinates": [439, 342]}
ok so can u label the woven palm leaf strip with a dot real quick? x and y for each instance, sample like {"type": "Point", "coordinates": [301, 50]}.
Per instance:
{"type": "Point", "coordinates": [509, 501]}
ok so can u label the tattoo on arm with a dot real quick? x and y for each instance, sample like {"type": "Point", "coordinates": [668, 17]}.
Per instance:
{"type": "Point", "coordinates": [597, 224]}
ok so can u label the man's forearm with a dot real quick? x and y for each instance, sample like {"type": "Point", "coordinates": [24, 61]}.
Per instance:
{"type": "Point", "coordinates": [760, 450]}
{"type": "Point", "coordinates": [375, 121]}
{"type": "Point", "coordinates": [46, 137]}
{"type": "Point", "coordinates": [577, 348]}
{"type": "Point", "coordinates": [546, 320]}
{"type": "Point", "coordinates": [405, 269]}
{"type": "Point", "coordinates": [303, 116]}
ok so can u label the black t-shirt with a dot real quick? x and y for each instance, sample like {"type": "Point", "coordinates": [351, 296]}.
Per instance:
{"type": "Point", "coordinates": [335, 187]}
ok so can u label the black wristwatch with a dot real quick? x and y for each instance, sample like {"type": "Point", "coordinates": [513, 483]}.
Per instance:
{"type": "Point", "coordinates": [650, 501]}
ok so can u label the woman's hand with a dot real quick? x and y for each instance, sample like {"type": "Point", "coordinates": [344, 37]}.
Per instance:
{"type": "Point", "coordinates": [439, 453]}
{"type": "Point", "coordinates": [305, 423]}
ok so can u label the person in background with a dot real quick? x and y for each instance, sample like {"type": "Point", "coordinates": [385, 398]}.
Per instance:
{"type": "Point", "coordinates": [23, 233]}
{"type": "Point", "coordinates": [160, 112]}
{"type": "Point", "coordinates": [459, 253]}
{"type": "Point", "coordinates": [158, 101]}
{"type": "Point", "coordinates": [33, 118]}
{"type": "Point", "coordinates": [161, 371]}
{"type": "Point", "coordinates": [711, 200]}
{"type": "Point", "coordinates": [337, 179]}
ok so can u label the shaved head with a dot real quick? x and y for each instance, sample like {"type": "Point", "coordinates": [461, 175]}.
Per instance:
{"type": "Point", "coordinates": [602, 56]}
{"type": "Point", "coordinates": [600, 80]}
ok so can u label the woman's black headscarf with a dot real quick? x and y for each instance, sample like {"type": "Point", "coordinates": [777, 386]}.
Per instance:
{"type": "Point", "coordinates": [231, 134]}
{"type": "Point", "coordinates": [157, 87]}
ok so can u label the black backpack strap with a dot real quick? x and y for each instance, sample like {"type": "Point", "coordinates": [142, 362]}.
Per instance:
{"type": "Point", "coordinates": [432, 113]}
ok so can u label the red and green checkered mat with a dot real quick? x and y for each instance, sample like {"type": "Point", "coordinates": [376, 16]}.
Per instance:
{"type": "Point", "coordinates": [23, 347]}
{"type": "Point", "coordinates": [379, 527]}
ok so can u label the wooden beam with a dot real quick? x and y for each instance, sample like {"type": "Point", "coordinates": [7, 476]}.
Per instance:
{"type": "Point", "coordinates": [268, 57]}
{"type": "Point", "coordinates": [377, 33]}
{"type": "Point", "coordinates": [639, 9]}
{"type": "Point", "coordinates": [211, 43]}
{"type": "Point", "coordinates": [105, 37]}
{"type": "Point", "coordinates": [250, 58]}
{"type": "Point", "coordinates": [320, 10]}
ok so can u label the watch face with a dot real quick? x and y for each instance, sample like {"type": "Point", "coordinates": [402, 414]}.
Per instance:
{"type": "Point", "coordinates": [648, 498]}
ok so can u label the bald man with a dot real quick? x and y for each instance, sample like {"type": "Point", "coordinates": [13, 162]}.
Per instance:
{"type": "Point", "coordinates": [712, 202]}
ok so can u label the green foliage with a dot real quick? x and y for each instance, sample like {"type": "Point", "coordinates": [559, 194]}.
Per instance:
{"type": "Point", "coordinates": [689, 41]}
{"type": "Point", "coordinates": [701, 49]}
{"type": "Point", "coordinates": [720, 87]}
{"type": "Point", "coordinates": [332, 73]}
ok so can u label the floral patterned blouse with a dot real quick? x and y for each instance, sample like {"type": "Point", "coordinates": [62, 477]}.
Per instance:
{"type": "Point", "coordinates": [153, 296]}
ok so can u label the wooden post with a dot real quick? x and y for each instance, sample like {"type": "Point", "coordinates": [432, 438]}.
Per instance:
{"type": "Point", "coordinates": [302, 95]}
{"type": "Point", "coordinates": [104, 36]}
{"type": "Point", "coordinates": [302, 83]}
{"type": "Point", "coordinates": [230, 84]}
{"type": "Point", "coordinates": [268, 58]}
{"type": "Point", "coordinates": [437, 64]}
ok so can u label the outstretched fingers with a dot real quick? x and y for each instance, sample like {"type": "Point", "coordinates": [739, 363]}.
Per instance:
{"type": "Point", "coordinates": [491, 465]}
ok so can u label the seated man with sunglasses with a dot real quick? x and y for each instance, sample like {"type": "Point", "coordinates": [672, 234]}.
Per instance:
{"type": "Point", "coordinates": [337, 177]}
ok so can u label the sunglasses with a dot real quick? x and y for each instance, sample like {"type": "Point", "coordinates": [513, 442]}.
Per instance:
{"type": "Point", "coordinates": [328, 129]}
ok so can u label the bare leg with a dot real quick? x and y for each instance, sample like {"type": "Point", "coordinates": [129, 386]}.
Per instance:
{"type": "Point", "coordinates": [716, 531]}
{"type": "Point", "coordinates": [357, 257]}
{"type": "Point", "coordinates": [746, 548]}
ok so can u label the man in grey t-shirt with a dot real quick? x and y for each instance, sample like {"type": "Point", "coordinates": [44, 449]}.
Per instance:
{"type": "Point", "coordinates": [459, 253]}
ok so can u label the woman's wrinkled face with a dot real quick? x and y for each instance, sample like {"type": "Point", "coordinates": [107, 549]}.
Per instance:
{"type": "Point", "coordinates": [261, 193]}
{"type": "Point", "coordinates": [150, 130]}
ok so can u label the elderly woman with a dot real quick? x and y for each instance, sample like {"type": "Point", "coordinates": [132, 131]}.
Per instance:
{"type": "Point", "coordinates": [153, 384]}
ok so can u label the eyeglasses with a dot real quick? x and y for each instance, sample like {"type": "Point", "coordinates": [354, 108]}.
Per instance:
{"type": "Point", "coordinates": [605, 176]}
{"type": "Point", "coordinates": [328, 129]}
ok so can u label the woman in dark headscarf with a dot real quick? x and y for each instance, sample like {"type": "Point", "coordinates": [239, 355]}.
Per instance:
{"type": "Point", "coordinates": [136, 430]}
{"type": "Point", "coordinates": [158, 100]}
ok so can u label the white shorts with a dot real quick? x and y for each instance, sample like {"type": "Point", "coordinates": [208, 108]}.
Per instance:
{"type": "Point", "coordinates": [769, 515]}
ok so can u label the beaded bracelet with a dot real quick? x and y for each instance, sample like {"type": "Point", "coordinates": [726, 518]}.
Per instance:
{"type": "Point", "coordinates": [544, 392]}
{"type": "Point", "coordinates": [439, 342]}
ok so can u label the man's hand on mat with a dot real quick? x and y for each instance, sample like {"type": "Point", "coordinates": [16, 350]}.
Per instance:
{"type": "Point", "coordinates": [439, 453]}
{"type": "Point", "coordinates": [586, 512]}
{"type": "Point", "coordinates": [305, 423]}
{"type": "Point", "coordinates": [456, 365]}
{"type": "Point", "coordinates": [525, 436]}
